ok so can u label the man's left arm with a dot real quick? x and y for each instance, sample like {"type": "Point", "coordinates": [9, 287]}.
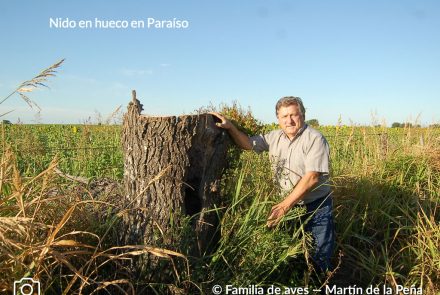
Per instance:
{"type": "Point", "coordinates": [306, 184]}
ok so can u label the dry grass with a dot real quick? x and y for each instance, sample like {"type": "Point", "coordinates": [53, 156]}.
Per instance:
{"type": "Point", "coordinates": [62, 231]}
{"type": "Point", "coordinates": [43, 235]}
{"type": "Point", "coordinates": [32, 84]}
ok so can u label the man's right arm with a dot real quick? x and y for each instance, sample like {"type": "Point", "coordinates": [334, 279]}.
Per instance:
{"type": "Point", "coordinates": [240, 138]}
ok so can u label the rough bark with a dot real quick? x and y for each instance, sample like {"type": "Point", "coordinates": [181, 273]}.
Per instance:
{"type": "Point", "coordinates": [172, 171]}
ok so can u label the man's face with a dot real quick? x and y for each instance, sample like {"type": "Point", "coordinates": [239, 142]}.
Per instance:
{"type": "Point", "coordinates": [290, 120]}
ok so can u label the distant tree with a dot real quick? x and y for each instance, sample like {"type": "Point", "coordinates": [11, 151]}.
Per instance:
{"type": "Point", "coordinates": [404, 125]}
{"type": "Point", "coordinates": [313, 122]}
{"type": "Point", "coordinates": [434, 126]}
{"type": "Point", "coordinates": [6, 122]}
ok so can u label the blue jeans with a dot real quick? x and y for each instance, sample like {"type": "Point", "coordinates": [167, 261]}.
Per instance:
{"type": "Point", "coordinates": [321, 226]}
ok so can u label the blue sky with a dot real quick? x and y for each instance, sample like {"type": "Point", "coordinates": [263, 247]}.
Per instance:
{"type": "Point", "coordinates": [344, 58]}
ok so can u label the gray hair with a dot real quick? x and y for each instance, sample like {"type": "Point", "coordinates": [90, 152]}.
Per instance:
{"type": "Point", "coordinates": [290, 100]}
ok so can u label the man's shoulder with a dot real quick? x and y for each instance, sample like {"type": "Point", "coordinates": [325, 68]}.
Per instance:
{"type": "Point", "coordinates": [312, 133]}
{"type": "Point", "coordinates": [269, 138]}
{"type": "Point", "coordinates": [276, 132]}
{"type": "Point", "coordinates": [265, 141]}
{"type": "Point", "coordinates": [273, 135]}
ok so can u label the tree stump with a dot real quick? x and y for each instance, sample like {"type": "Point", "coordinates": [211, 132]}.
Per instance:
{"type": "Point", "coordinates": [172, 173]}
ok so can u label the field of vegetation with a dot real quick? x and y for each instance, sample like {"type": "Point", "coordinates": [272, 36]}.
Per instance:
{"type": "Point", "coordinates": [387, 209]}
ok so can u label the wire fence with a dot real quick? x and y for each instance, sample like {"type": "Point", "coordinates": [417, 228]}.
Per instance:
{"type": "Point", "coordinates": [54, 150]}
{"type": "Point", "coordinates": [101, 154]}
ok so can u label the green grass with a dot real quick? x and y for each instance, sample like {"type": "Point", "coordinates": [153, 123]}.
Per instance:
{"type": "Point", "coordinates": [386, 183]}
{"type": "Point", "coordinates": [83, 150]}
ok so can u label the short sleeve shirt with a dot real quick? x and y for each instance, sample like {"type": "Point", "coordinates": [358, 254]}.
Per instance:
{"type": "Point", "coordinates": [292, 159]}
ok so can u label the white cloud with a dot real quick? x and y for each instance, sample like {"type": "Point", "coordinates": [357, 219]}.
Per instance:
{"type": "Point", "coordinates": [118, 86]}
{"type": "Point", "coordinates": [133, 72]}
{"type": "Point", "coordinates": [80, 79]}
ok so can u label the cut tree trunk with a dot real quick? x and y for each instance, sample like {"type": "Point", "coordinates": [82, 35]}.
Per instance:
{"type": "Point", "coordinates": [172, 173]}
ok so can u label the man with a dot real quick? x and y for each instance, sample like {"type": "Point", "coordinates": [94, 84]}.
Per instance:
{"type": "Point", "coordinates": [300, 160]}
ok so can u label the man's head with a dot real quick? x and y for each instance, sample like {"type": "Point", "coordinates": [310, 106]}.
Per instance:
{"type": "Point", "coordinates": [290, 112]}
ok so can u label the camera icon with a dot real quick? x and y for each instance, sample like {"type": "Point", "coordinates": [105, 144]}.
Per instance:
{"type": "Point", "coordinates": [26, 286]}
